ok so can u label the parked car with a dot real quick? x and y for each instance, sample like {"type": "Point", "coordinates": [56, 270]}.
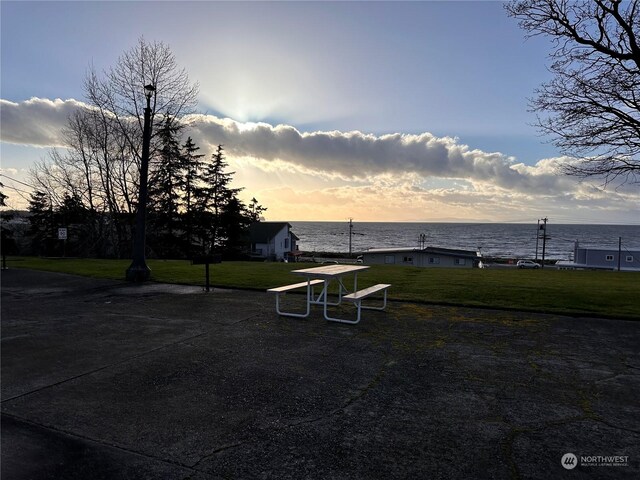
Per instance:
{"type": "Point", "coordinates": [527, 264]}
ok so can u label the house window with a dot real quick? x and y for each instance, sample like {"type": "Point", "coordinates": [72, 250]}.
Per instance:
{"type": "Point", "coordinates": [609, 258]}
{"type": "Point", "coordinates": [389, 259]}
{"type": "Point", "coordinates": [286, 243]}
{"type": "Point", "coordinates": [459, 261]}
{"type": "Point", "coordinates": [434, 260]}
{"type": "Point", "coordinates": [629, 258]}
{"type": "Point", "coordinates": [407, 259]}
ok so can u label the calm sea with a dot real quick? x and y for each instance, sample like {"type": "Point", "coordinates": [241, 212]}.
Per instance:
{"type": "Point", "coordinates": [493, 239]}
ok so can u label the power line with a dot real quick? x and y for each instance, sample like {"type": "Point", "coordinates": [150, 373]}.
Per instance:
{"type": "Point", "coordinates": [17, 181]}
{"type": "Point", "coordinates": [16, 189]}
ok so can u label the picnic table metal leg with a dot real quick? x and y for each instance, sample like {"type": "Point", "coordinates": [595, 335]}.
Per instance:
{"type": "Point", "coordinates": [384, 304]}
{"type": "Point", "coordinates": [290, 314]}
{"type": "Point", "coordinates": [320, 298]}
{"type": "Point", "coordinates": [359, 306]}
{"type": "Point", "coordinates": [326, 304]}
{"type": "Point", "coordinates": [310, 295]}
{"type": "Point", "coordinates": [323, 297]}
{"type": "Point", "coordinates": [342, 320]}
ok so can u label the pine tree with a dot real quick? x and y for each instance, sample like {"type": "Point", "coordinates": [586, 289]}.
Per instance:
{"type": "Point", "coordinates": [74, 215]}
{"type": "Point", "coordinates": [213, 198]}
{"type": "Point", "coordinates": [7, 242]}
{"type": "Point", "coordinates": [41, 222]}
{"type": "Point", "coordinates": [191, 167]}
{"type": "Point", "coordinates": [165, 191]}
{"type": "Point", "coordinates": [71, 210]}
{"type": "Point", "coordinates": [234, 225]}
{"type": "Point", "coordinates": [3, 197]}
{"type": "Point", "coordinates": [255, 210]}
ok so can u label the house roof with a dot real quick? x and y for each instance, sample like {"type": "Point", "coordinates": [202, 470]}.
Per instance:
{"type": "Point", "coordinates": [428, 250]}
{"type": "Point", "coordinates": [263, 232]}
{"type": "Point", "coordinates": [608, 250]}
{"type": "Point", "coordinates": [452, 252]}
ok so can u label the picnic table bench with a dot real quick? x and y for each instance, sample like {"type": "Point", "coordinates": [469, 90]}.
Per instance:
{"type": "Point", "coordinates": [357, 297]}
{"type": "Point", "coordinates": [325, 275]}
{"type": "Point", "coordinates": [294, 286]}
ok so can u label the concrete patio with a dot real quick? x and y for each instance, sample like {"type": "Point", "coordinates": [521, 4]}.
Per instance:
{"type": "Point", "coordinates": [102, 380]}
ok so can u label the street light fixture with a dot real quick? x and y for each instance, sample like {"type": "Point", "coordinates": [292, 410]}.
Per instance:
{"type": "Point", "coordinates": [138, 271]}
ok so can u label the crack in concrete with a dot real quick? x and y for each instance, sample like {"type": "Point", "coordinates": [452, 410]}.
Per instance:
{"type": "Point", "coordinates": [615, 375]}
{"type": "Point", "coordinates": [516, 431]}
{"type": "Point", "coordinates": [100, 442]}
{"type": "Point", "coordinates": [336, 411]}
{"type": "Point", "coordinates": [185, 341]}
{"type": "Point", "coordinates": [589, 415]}
{"type": "Point", "coordinates": [617, 427]}
{"type": "Point", "coordinates": [104, 367]}
{"type": "Point", "coordinates": [583, 400]}
{"type": "Point", "coordinates": [216, 451]}
{"type": "Point", "coordinates": [507, 450]}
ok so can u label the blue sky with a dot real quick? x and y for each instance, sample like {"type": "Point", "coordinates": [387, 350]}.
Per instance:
{"type": "Point", "coordinates": [449, 69]}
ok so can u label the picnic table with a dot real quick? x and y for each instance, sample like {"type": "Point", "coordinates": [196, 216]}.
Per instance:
{"type": "Point", "coordinates": [325, 275]}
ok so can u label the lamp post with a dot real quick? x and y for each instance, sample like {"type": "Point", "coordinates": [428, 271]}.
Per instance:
{"type": "Point", "coordinates": [138, 270]}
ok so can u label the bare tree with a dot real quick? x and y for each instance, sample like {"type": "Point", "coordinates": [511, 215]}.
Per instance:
{"type": "Point", "coordinates": [591, 108]}
{"type": "Point", "coordinates": [100, 165]}
{"type": "Point", "coordinates": [119, 93]}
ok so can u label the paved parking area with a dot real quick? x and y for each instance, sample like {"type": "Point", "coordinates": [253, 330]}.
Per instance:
{"type": "Point", "coordinates": [102, 380]}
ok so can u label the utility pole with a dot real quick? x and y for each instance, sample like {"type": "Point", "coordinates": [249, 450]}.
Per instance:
{"type": "Point", "coordinates": [544, 239]}
{"type": "Point", "coordinates": [619, 251]}
{"type": "Point", "coordinates": [537, 238]}
{"type": "Point", "coordinates": [422, 240]}
{"type": "Point", "coordinates": [350, 234]}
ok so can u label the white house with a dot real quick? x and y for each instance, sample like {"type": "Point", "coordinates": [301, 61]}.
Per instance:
{"type": "Point", "coordinates": [417, 257]}
{"type": "Point", "coordinates": [273, 241]}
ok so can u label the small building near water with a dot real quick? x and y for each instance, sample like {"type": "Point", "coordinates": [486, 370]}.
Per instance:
{"type": "Point", "coordinates": [422, 257]}
{"type": "Point", "coordinates": [603, 259]}
{"type": "Point", "coordinates": [273, 241]}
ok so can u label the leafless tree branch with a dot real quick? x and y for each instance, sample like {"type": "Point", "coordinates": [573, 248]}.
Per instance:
{"type": "Point", "coordinates": [591, 108]}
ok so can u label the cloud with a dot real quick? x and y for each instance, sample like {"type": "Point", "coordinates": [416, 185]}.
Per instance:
{"type": "Point", "coordinates": [414, 176]}
{"type": "Point", "coordinates": [10, 171]}
{"type": "Point", "coordinates": [350, 155]}
{"type": "Point", "coordinates": [36, 122]}
{"type": "Point", "coordinates": [407, 203]}
{"type": "Point", "coordinates": [356, 154]}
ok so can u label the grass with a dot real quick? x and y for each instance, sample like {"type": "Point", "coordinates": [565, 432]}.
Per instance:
{"type": "Point", "coordinates": [595, 293]}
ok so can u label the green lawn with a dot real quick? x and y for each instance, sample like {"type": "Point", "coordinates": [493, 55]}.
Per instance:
{"type": "Point", "coordinates": [599, 293]}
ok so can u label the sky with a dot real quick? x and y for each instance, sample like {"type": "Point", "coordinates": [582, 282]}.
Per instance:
{"type": "Point", "coordinates": [376, 111]}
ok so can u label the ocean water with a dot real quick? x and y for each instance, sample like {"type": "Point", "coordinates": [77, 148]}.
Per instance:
{"type": "Point", "coordinates": [506, 240]}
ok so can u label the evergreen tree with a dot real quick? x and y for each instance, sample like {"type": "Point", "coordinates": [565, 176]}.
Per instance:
{"type": "Point", "coordinates": [255, 210]}
{"type": "Point", "coordinates": [3, 197]}
{"type": "Point", "coordinates": [74, 215]}
{"type": "Point", "coordinates": [234, 222]}
{"type": "Point", "coordinates": [7, 242]}
{"type": "Point", "coordinates": [213, 197]}
{"type": "Point", "coordinates": [191, 167]}
{"type": "Point", "coordinates": [165, 191]}
{"type": "Point", "coordinates": [41, 222]}
{"type": "Point", "coordinates": [71, 211]}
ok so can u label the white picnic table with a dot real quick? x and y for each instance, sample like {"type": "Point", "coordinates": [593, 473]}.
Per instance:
{"type": "Point", "coordinates": [325, 275]}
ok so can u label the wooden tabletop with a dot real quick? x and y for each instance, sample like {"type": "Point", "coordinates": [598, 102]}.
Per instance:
{"type": "Point", "coordinates": [328, 271]}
